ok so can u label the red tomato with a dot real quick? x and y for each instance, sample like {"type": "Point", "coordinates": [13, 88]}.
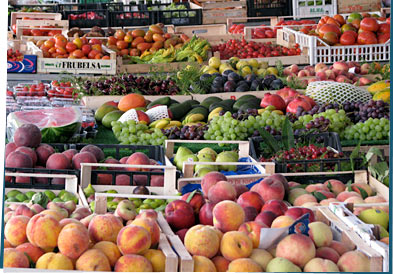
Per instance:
{"type": "Point", "coordinates": [347, 38]}
{"type": "Point", "coordinates": [36, 32]}
{"type": "Point", "coordinates": [384, 28]}
{"type": "Point", "coordinates": [383, 37]}
{"type": "Point", "coordinates": [328, 28]}
{"type": "Point", "coordinates": [94, 41]}
{"type": "Point", "coordinates": [86, 49]}
{"type": "Point", "coordinates": [70, 47]}
{"type": "Point", "coordinates": [367, 38]}
{"type": "Point", "coordinates": [369, 24]}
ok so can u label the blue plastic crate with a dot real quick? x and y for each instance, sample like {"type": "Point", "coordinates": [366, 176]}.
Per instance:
{"type": "Point", "coordinates": [27, 65]}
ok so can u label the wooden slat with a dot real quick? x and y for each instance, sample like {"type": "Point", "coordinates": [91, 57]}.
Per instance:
{"type": "Point", "coordinates": [186, 261]}
{"type": "Point", "coordinates": [34, 16]}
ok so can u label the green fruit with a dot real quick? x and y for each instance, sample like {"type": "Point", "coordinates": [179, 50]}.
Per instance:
{"type": "Point", "coordinates": [103, 110]}
{"type": "Point", "coordinates": [50, 194]}
{"type": "Point", "coordinates": [89, 190]}
{"type": "Point", "coordinates": [61, 193]}
{"type": "Point", "coordinates": [29, 194]}
{"type": "Point", "coordinates": [203, 171]}
{"type": "Point", "coordinates": [375, 216]}
{"type": "Point", "coordinates": [181, 152]}
{"type": "Point", "coordinates": [154, 204]}
{"type": "Point", "coordinates": [281, 265]}
{"type": "Point", "coordinates": [57, 200]}
{"type": "Point", "coordinates": [111, 117]}
{"type": "Point", "coordinates": [92, 205]}
{"type": "Point", "coordinates": [185, 158]}
{"type": "Point", "coordinates": [13, 193]}
{"type": "Point", "coordinates": [227, 156]}
{"type": "Point", "coordinates": [386, 181]}
{"type": "Point", "coordinates": [145, 206]}
{"type": "Point", "coordinates": [207, 151]}
{"type": "Point", "coordinates": [112, 205]}
{"type": "Point", "coordinates": [26, 201]}
{"type": "Point", "coordinates": [21, 197]}
{"type": "Point", "coordinates": [383, 232]}
{"type": "Point", "coordinates": [354, 16]}
{"type": "Point", "coordinates": [148, 201]}
{"type": "Point", "coordinates": [70, 197]}
{"type": "Point", "coordinates": [12, 199]}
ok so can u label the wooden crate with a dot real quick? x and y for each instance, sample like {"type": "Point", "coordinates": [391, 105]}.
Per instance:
{"type": "Point", "coordinates": [248, 36]}
{"type": "Point", "coordinates": [219, 12]}
{"type": "Point", "coordinates": [171, 259]}
{"type": "Point", "coordinates": [71, 185]}
{"type": "Point", "coordinates": [41, 24]}
{"type": "Point", "coordinates": [74, 66]}
{"type": "Point", "coordinates": [380, 188]}
{"type": "Point", "coordinates": [94, 102]}
{"type": "Point", "coordinates": [169, 187]}
{"type": "Point", "coordinates": [34, 16]}
{"type": "Point", "coordinates": [214, 34]}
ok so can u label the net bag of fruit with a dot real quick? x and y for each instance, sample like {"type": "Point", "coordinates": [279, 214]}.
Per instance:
{"type": "Point", "coordinates": [332, 92]}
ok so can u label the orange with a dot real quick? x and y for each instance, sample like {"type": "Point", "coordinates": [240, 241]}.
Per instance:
{"type": "Point", "coordinates": [130, 101]}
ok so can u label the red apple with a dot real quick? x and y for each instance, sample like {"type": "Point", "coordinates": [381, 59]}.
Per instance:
{"type": "Point", "coordinates": [180, 214]}
{"type": "Point", "coordinates": [197, 201]}
{"type": "Point", "coordinates": [206, 213]}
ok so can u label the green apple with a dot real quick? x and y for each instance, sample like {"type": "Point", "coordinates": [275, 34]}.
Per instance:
{"type": "Point", "coordinates": [375, 216]}
{"type": "Point", "coordinates": [13, 193]}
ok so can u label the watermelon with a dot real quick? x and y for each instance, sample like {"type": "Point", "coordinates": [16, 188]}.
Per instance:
{"type": "Point", "coordinates": [57, 125]}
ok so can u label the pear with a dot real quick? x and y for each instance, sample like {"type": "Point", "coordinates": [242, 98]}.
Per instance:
{"type": "Point", "coordinates": [185, 158]}
{"type": "Point", "coordinates": [211, 167]}
{"type": "Point", "coordinates": [205, 158]}
{"type": "Point", "coordinates": [375, 217]}
{"type": "Point", "coordinates": [227, 156]}
{"type": "Point", "coordinates": [203, 171]}
{"type": "Point", "coordinates": [181, 151]}
{"type": "Point", "coordinates": [207, 151]}
{"type": "Point", "coordinates": [89, 190]}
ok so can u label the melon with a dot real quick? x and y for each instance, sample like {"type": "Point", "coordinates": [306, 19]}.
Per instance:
{"type": "Point", "coordinates": [57, 125]}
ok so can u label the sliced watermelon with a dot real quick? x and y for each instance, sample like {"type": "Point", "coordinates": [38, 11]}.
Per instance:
{"type": "Point", "coordinates": [57, 125]}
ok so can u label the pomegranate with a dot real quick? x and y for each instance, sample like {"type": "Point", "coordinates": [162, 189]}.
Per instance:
{"type": "Point", "coordinates": [290, 99]}
{"type": "Point", "coordinates": [298, 102]}
{"type": "Point", "coordinates": [287, 92]}
{"type": "Point", "coordinates": [308, 99]}
{"type": "Point", "coordinates": [273, 100]}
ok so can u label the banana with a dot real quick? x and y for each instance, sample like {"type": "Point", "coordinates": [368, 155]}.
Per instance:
{"type": "Point", "coordinates": [175, 123]}
{"type": "Point", "coordinates": [195, 123]}
{"type": "Point", "coordinates": [278, 112]}
{"type": "Point", "coordinates": [195, 118]}
{"type": "Point", "coordinates": [153, 125]}
{"type": "Point", "coordinates": [162, 124]}
{"type": "Point", "coordinates": [215, 112]}
{"type": "Point", "coordinates": [170, 126]}
{"type": "Point", "coordinates": [260, 111]}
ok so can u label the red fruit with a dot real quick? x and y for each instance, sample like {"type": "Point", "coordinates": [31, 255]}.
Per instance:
{"type": "Point", "coordinates": [347, 38]}
{"type": "Point", "coordinates": [384, 28]}
{"type": "Point", "coordinates": [328, 28]}
{"type": "Point", "coordinates": [206, 214]}
{"type": "Point", "coordinates": [298, 102]}
{"type": "Point", "coordinates": [273, 100]}
{"type": "Point", "coordinates": [287, 92]}
{"type": "Point", "coordinates": [369, 24]}
{"type": "Point", "coordinates": [70, 47]}
{"type": "Point", "coordinates": [180, 214]}
{"type": "Point", "coordinates": [86, 49]}
{"type": "Point", "coordinates": [308, 99]}
{"type": "Point", "coordinates": [383, 38]}
{"type": "Point", "coordinates": [367, 38]}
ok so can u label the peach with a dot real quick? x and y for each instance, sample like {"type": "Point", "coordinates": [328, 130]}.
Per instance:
{"type": "Point", "coordinates": [57, 214]}
{"type": "Point", "coordinates": [244, 265]}
{"type": "Point", "coordinates": [157, 259]}
{"type": "Point", "coordinates": [354, 200]}
{"type": "Point", "coordinates": [261, 257]}
{"type": "Point", "coordinates": [253, 231]}
{"type": "Point", "coordinates": [354, 261]}
{"type": "Point", "coordinates": [305, 198]}
{"type": "Point", "coordinates": [266, 218]}
{"type": "Point", "coordinates": [24, 210]}
{"type": "Point", "coordinates": [228, 216]}
{"type": "Point", "coordinates": [211, 179]}
{"type": "Point", "coordinates": [15, 258]}
{"type": "Point", "coordinates": [272, 250]}
{"type": "Point", "coordinates": [293, 185]}
{"type": "Point", "coordinates": [320, 67]}
{"type": "Point", "coordinates": [252, 199]}
{"type": "Point", "coordinates": [10, 147]}
{"type": "Point", "coordinates": [221, 263]}
{"type": "Point", "coordinates": [335, 186]}
{"type": "Point", "coordinates": [15, 230]}
{"type": "Point", "coordinates": [203, 264]}
{"type": "Point", "coordinates": [182, 233]}
{"type": "Point", "coordinates": [133, 239]}
{"type": "Point", "coordinates": [206, 213]}
{"type": "Point", "coordinates": [320, 265]}
{"type": "Point", "coordinates": [73, 240]}
{"type": "Point", "coordinates": [82, 157]}
{"type": "Point", "coordinates": [110, 250]}
{"type": "Point", "coordinates": [357, 186]}
{"type": "Point", "coordinates": [93, 260]}
{"type": "Point", "coordinates": [328, 253]}
{"type": "Point", "coordinates": [180, 214]}
{"type": "Point", "coordinates": [282, 265]}
{"type": "Point", "coordinates": [148, 213]}
{"type": "Point", "coordinates": [86, 220]}
{"type": "Point", "coordinates": [297, 212]}
{"type": "Point", "coordinates": [297, 248]}
{"type": "Point", "coordinates": [340, 247]}
{"type": "Point", "coordinates": [133, 263]}
{"type": "Point", "coordinates": [328, 201]}
{"type": "Point", "coordinates": [104, 228]}
{"type": "Point", "coordinates": [294, 193]}
{"type": "Point", "coordinates": [32, 251]}
{"type": "Point", "coordinates": [250, 213]}
{"type": "Point", "coordinates": [276, 206]}
{"type": "Point", "coordinates": [326, 194]}
{"type": "Point", "coordinates": [7, 244]}
{"type": "Point", "coordinates": [18, 159]}
{"type": "Point", "coordinates": [282, 221]}
{"type": "Point", "coordinates": [202, 240]}
{"type": "Point", "coordinates": [197, 201]}
{"type": "Point", "coordinates": [340, 66]}
{"type": "Point", "coordinates": [346, 194]}
{"type": "Point", "coordinates": [43, 231]}
{"type": "Point", "coordinates": [377, 199]}
{"type": "Point", "coordinates": [43, 152]}
{"type": "Point", "coordinates": [69, 153]}
{"type": "Point", "coordinates": [236, 245]}
{"type": "Point", "coordinates": [221, 191]}
{"type": "Point", "coordinates": [310, 204]}
{"type": "Point", "coordinates": [271, 189]}
{"type": "Point", "coordinates": [53, 261]}
{"type": "Point", "coordinates": [67, 221]}
{"type": "Point", "coordinates": [315, 187]}
{"type": "Point", "coordinates": [240, 189]}
{"type": "Point", "coordinates": [96, 151]}
{"type": "Point", "coordinates": [58, 161]}
{"type": "Point", "coordinates": [151, 226]}
{"type": "Point", "coordinates": [320, 233]}
{"type": "Point", "coordinates": [218, 232]}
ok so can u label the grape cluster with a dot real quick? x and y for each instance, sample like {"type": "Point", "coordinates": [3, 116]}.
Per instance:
{"type": "Point", "coordinates": [269, 129]}
{"type": "Point", "coordinates": [321, 124]}
{"type": "Point", "coordinates": [317, 109]}
{"type": "Point", "coordinates": [361, 112]}
{"type": "Point", "coordinates": [372, 129]}
{"type": "Point", "coordinates": [242, 114]}
{"type": "Point", "coordinates": [131, 132]}
{"type": "Point", "coordinates": [194, 132]}
{"type": "Point", "coordinates": [128, 83]}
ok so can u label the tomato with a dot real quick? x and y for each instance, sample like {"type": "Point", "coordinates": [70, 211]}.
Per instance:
{"type": "Point", "coordinates": [77, 54]}
{"type": "Point", "coordinates": [70, 47]}
{"type": "Point", "coordinates": [36, 32]}
{"type": "Point", "coordinates": [328, 28]}
{"type": "Point", "coordinates": [95, 41]}
{"type": "Point", "coordinates": [383, 38]}
{"type": "Point", "coordinates": [54, 32]}
{"type": "Point", "coordinates": [122, 44]}
{"type": "Point", "coordinates": [92, 54]}
{"type": "Point", "coordinates": [347, 38]}
{"type": "Point", "coordinates": [48, 44]}
{"type": "Point", "coordinates": [97, 47]}
{"type": "Point", "coordinates": [119, 34]}
{"type": "Point", "coordinates": [367, 38]}
{"type": "Point", "coordinates": [369, 24]}
{"type": "Point", "coordinates": [333, 21]}
{"type": "Point", "coordinates": [61, 41]}
{"type": "Point", "coordinates": [111, 40]}
{"type": "Point", "coordinates": [384, 28]}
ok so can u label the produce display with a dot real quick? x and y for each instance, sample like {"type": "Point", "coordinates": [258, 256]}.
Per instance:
{"type": "Point", "coordinates": [123, 157]}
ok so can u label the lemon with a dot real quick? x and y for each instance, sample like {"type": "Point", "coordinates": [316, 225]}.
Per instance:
{"type": "Point", "coordinates": [253, 63]}
{"type": "Point", "coordinates": [214, 62]}
{"type": "Point", "coordinates": [262, 72]}
{"type": "Point", "coordinates": [233, 61]}
{"type": "Point", "coordinates": [246, 70]}
{"type": "Point", "coordinates": [272, 70]}
{"type": "Point", "coordinates": [211, 71]}
{"type": "Point", "coordinates": [241, 64]}
{"type": "Point", "coordinates": [263, 65]}
{"type": "Point", "coordinates": [224, 67]}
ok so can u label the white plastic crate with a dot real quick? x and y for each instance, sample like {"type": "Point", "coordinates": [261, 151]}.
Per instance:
{"type": "Point", "coordinates": [330, 54]}
{"type": "Point", "coordinates": [318, 7]}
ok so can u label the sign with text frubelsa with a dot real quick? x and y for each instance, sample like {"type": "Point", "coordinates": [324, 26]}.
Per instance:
{"type": "Point", "coordinates": [77, 65]}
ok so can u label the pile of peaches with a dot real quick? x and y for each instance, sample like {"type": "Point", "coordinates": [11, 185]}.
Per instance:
{"type": "Point", "coordinates": [137, 41]}
{"type": "Point", "coordinates": [79, 48]}
{"type": "Point", "coordinates": [355, 30]}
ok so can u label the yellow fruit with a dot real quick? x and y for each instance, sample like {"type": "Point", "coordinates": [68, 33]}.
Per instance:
{"type": "Point", "coordinates": [262, 72]}
{"type": "Point", "coordinates": [383, 95]}
{"type": "Point", "coordinates": [211, 71]}
{"type": "Point", "coordinates": [246, 70]}
{"type": "Point", "coordinates": [271, 70]}
{"type": "Point", "coordinates": [224, 67]}
{"type": "Point", "coordinates": [378, 86]}
{"type": "Point", "coordinates": [214, 62]}
{"type": "Point", "coordinates": [263, 65]}
{"type": "Point", "coordinates": [241, 64]}
{"type": "Point", "coordinates": [253, 63]}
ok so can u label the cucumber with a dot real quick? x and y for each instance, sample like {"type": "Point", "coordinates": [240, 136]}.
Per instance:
{"type": "Point", "coordinates": [162, 101]}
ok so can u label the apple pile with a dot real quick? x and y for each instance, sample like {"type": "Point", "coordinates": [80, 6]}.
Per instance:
{"type": "Point", "coordinates": [137, 41]}
{"type": "Point", "coordinates": [221, 230]}
{"type": "Point", "coordinates": [79, 48]}
{"type": "Point", "coordinates": [14, 56]}
{"type": "Point", "coordinates": [338, 72]}
{"type": "Point", "coordinates": [64, 237]}
{"type": "Point", "coordinates": [355, 30]}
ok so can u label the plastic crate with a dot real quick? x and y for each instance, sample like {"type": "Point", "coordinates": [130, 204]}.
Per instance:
{"type": "Point", "coordinates": [330, 54]}
{"type": "Point", "coordinates": [43, 8]}
{"type": "Point", "coordinates": [85, 21]}
{"type": "Point", "coordinates": [256, 8]}
{"type": "Point", "coordinates": [90, 6]}
{"type": "Point", "coordinates": [189, 16]}
{"type": "Point", "coordinates": [131, 15]}
{"type": "Point", "coordinates": [314, 7]}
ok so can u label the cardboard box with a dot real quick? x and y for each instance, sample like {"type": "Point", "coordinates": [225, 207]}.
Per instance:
{"type": "Point", "coordinates": [349, 6]}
